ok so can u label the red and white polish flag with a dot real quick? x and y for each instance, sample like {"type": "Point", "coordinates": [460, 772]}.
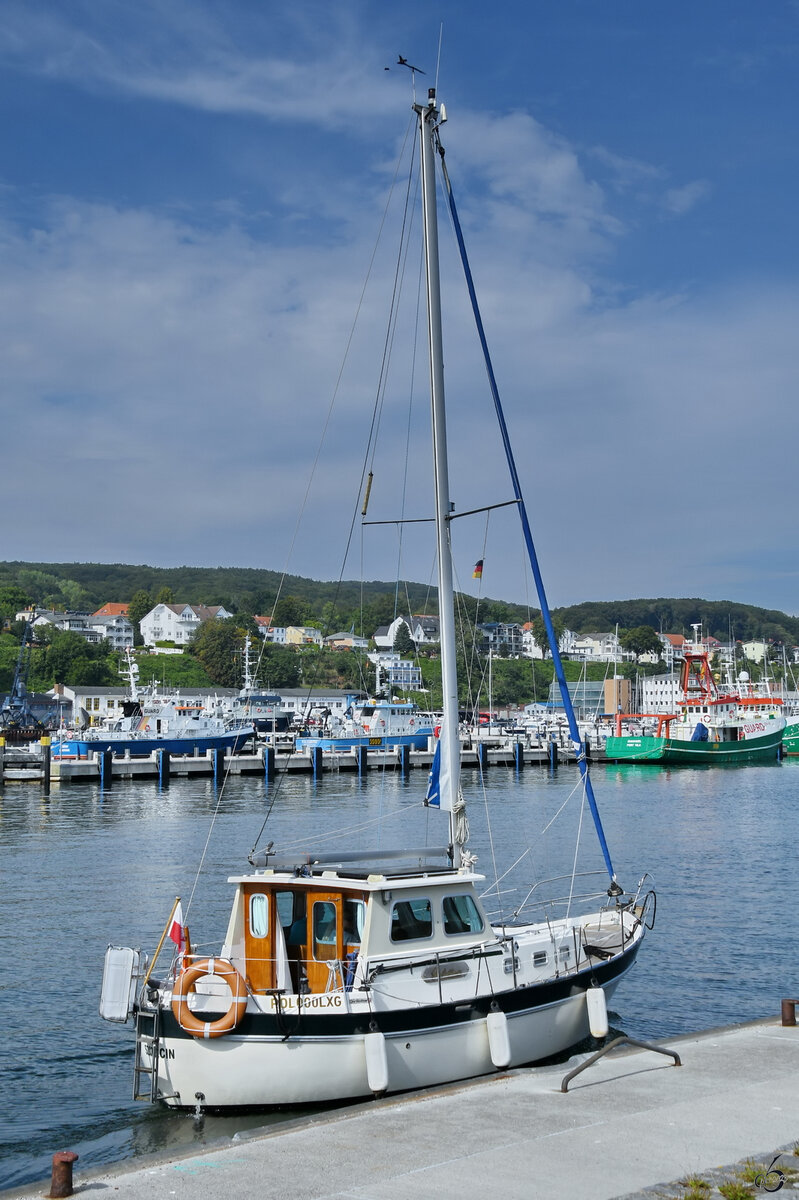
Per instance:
{"type": "Point", "coordinates": [176, 931]}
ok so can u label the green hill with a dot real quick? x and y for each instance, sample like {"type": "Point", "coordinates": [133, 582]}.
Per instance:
{"type": "Point", "coordinates": [87, 586]}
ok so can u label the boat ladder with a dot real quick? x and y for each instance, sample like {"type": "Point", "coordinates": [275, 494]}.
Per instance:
{"type": "Point", "coordinates": [148, 1026]}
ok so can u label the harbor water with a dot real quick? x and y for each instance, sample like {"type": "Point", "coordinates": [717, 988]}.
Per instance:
{"type": "Point", "coordinates": [84, 867]}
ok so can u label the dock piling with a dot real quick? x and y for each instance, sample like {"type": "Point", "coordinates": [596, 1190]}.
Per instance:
{"type": "Point", "coordinates": [269, 762]}
{"type": "Point", "coordinates": [46, 745]}
{"type": "Point", "coordinates": [789, 1012]}
{"type": "Point", "coordinates": [218, 755]}
{"type": "Point", "coordinates": [162, 759]}
{"type": "Point", "coordinates": [104, 757]}
{"type": "Point", "coordinates": [61, 1180]}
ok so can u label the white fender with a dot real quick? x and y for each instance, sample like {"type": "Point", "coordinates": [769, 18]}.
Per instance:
{"type": "Point", "coordinates": [597, 1012]}
{"type": "Point", "coordinates": [374, 1045]}
{"type": "Point", "coordinates": [498, 1039]}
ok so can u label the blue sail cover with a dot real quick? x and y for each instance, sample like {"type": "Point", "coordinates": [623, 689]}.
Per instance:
{"type": "Point", "coordinates": [433, 795]}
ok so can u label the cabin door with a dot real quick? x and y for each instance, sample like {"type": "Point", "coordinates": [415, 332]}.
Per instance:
{"type": "Point", "coordinates": [259, 918]}
{"type": "Point", "coordinates": [324, 941]}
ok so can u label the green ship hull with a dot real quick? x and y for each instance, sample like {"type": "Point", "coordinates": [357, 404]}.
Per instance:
{"type": "Point", "coordinates": [673, 751]}
{"type": "Point", "coordinates": [790, 739]}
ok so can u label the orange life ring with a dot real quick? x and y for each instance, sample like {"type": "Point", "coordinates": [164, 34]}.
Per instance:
{"type": "Point", "coordinates": [437, 731]}
{"type": "Point", "coordinates": [185, 984]}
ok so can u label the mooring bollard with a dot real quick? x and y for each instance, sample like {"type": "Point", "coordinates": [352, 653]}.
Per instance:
{"type": "Point", "coordinates": [269, 762]}
{"type": "Point", "coordinates": [61, 1182]}
{"type": "Point", "coordinates": [789, 1012]}
{"type": "Point", "coordinates": [46, 745]}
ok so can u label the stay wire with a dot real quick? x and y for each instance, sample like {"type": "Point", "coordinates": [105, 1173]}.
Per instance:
{"type": "Point", "coordinates": [329, 414]}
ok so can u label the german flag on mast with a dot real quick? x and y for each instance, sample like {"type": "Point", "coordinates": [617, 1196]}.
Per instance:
{"type": "Point", "coordinates": [477, 573]}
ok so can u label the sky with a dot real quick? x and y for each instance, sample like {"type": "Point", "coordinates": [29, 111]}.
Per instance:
{"type": "Point", "coordinates": [199, 213]}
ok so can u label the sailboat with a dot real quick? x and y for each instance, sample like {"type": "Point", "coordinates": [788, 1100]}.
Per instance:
{"type": "Point", "coordinates": [359, 973]}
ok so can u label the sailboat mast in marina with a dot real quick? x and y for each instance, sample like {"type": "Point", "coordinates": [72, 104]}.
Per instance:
{"type": "Point", "coordinates": [349, 973]}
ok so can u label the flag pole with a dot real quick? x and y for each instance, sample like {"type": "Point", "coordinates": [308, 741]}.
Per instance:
{"type": "Point", "coordinates": [167, 928]}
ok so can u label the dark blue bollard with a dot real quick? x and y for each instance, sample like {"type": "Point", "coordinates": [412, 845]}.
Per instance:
{"type": "Point", "coordinates": [162, 762]}
{"type": "Point", "coordinates": [219, 763]}
{"type": "Point", "coordinates": [105, 768]}
{"type": "Point", "coordinates": [269, 762]}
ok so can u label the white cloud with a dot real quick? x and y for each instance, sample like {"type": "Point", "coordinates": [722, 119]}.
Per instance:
{"type": "Point", "coordinates": [166, 381]}
{"type": "Point", "coordinates": [680, 200]}
{"type": "Point", "coordinates": [194, 56]}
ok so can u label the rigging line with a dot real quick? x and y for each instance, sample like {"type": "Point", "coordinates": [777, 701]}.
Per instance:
{"type": "Point", "coordinates": [494, 887]}
{"type": "Point", "coordinates": [438, 56]}
{"type": "Point", "coordinates": [528, 535]}
{"type": "Point", "coordinates": [345, 357]}
{"type": "Point", "coordinates": [391, 324]}
{"type": "Point", "coordinates": [372, 436]}
{"type": "Point", "coordinates": [419, 293]}
{"type": "Point", "coordinates": [574, 860]}
{"type": "Point", "coordinates": [328, 417]}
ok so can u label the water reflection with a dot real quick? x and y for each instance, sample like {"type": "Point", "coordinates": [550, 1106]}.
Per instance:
{"type": "Point", "coordinates": [83, 868]}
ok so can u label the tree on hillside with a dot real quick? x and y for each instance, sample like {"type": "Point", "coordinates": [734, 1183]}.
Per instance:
{"type": "Point", "coordinates": [540, 632]}
{"type": "Point", "coordinates": [641, 640]}
{"type": "Point", "coordinates": [165, 596]}
{"type": "Point", "coordinates": [403, 642]}
{"type": "Point", "coordinates": [280, 667]}
{"type": "Point", "coordinates": [218, 646]}
{"type": "Point", "coordinates": [12, 601]}
{"type": "Point", "coordinates": [291, 610]}
{"type": "Point", "coordinates": [380, 610]}
{"type": "Point", "coordinates": [68, 658]}
{"type": "Point", "coordinates": [139, 607]}
{"type": "Point", "coordinates": [9, 653]}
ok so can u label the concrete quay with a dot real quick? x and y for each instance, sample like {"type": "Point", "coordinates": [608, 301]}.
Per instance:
{"type": "Point", "coordinates": [628, 1123]}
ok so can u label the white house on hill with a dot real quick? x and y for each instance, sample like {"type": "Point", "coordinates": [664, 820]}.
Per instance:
{"type": "Point", "coordinates": [177, 622]}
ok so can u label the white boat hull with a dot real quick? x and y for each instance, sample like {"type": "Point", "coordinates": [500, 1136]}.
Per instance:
{"type": "Point", "coordinates": [261, 1072]}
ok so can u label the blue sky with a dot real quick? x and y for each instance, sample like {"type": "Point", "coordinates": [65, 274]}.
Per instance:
{"type": "Point", "coordinates": [191, 194]}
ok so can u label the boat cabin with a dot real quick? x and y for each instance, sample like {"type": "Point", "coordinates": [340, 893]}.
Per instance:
{"type": "Point", "coordinates": [313, 934]}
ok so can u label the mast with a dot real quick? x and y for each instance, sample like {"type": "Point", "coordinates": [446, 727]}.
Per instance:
{"type": "Point", "coordinates": [450, 751]}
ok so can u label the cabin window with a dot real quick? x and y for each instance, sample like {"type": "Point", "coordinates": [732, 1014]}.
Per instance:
{"type": "Point", "coordinates": [259, 915]}
{"type": "Point", "coordinates": [285, 908]}
{"type": "Point", "coordinates": [411, 919]}
{"type": "Point", "coordinates": [540, 958]}
{"type": "Point", "coordinates": [461, 915]}
{"type": "Point", "coordinates": [324, 929]}
{"type": "Point", "coordinates": [354, 917]}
